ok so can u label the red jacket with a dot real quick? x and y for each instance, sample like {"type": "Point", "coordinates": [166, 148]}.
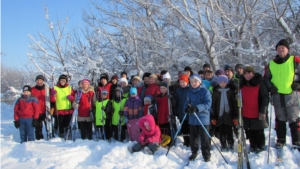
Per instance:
{"type": "Point", "coordinates": [152, 90]}
{"type": "Point", "coordinates": [107, 87]}
{"type": "Point", "coordinates": [53, 99]}
{"type": "Point", "coordinates": [85, 103]}
{"type": "Point", "coordinates": [162, 109]}
{"type": "Point", "coordinates": [40, 94]}
{"type": "Point", "coordinates": [27, 108]}
{"type": "Point", "coordinates": [151, 136]}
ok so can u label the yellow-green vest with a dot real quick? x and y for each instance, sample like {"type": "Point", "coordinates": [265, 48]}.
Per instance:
{"type": "Point", "coordinates": [98, 116]}
{"type": "Point", "coordinates": [116, 116]}
{"type": "Point", "coordinates": [283, 75]}
{"type": "Point", "coordinates": [62, 102]}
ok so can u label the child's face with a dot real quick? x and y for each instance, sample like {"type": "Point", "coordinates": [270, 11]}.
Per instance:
{"type": "Point", "coordinates": [135, 81]}
{"type": "Point", "coordinates": [62, 82]}
{"type": "Point", "coordinates": [118, 93]}
{"type": "Point", "coordinates": [26, 93]}
{"type": "Point", "coordinates": [103, 81]}
{"type": "Point", "coordinates": [147, 127]}
{"type": "Point", "coordinates": [114, 81]}
{"type": "Point", "coordinates": [85, 86]}
{"type": "Point", "coordinates": [123, 84]}
{"type": "Point", "coordinates": [208, 76]}
{"type": "Point", "coordinates": [151, 80]}
{"type": "Point", "coordinates": [195, 83]}
{"type": "Point", "coordinates": [183, 83]}
{"type": "Point", "coordinates": [147, 102]}
{"type": "Point", "coordinates": [223, 84]}
{"type": "Point", "coordinates": [163, 89]}
{"type": "Point", "coordinates": [133, 95]}
{"type": "Point", "coordinates": [104, 95]}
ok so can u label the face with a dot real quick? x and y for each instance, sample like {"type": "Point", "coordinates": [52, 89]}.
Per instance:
{"type": "Point", "coordinates": [166, 80]}
{"type": "Point", "coordinates": [163, 89]}
{"type": "Point", "coordinates": [208, 76]}
{"type": "Point", "coordinates": [229, 74]}
{"type": "Point", "coordinates": [118, 93]}
{"type": "Point", "coordinates": [123, 84]}
{"type": "Point", "coordinates": [188, 73]}
{"type": "Point", "coordinates": [104, 95]}
{"type": "Point", "coordinates": [239, 71]}
{"type": "Point", "coordinates": [183, 84]}
{"type": "Point", "coordinates": [151, 80]}
{"type": "Point", "coordinates": [62, 82]}
{"type": "Point", "coordinates": [39, 82]}
{"type": "Point", "coordinates": [133, 95]}
{"type": "Point", "coordinates": [146, 80]}
{"type": "Point", "coordinates": [123, 76]}
{"type": "Point", "coordinates": [114, 81]}
{"type": "Point", "coordinates": [222, 84]}
{"type": "Point", "coordinates": [147, 102]}
{"type": "Point", "coordinates": [282, 51]}
{"type": "Point", "coordinates": [135, 81]}
{"type": "Point", "coordinates": [85, 86]}
{"type": "Point", "coordinates": [248, 75]}
{"type": "Point", "coordinates": [195, 83]}
{"type": "Point", "coordinates": [206, 68]}
{"type": "Point", "coordinates": [103, 81]}
{"type": "Point", "coordinates": [26, 93]}
{"type": "Point", "coordinates": [147, 127]}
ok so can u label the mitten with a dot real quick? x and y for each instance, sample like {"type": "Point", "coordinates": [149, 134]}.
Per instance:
{"type": "Point", "coordinates": [213, 122]}
{"type": "Point", "coordinates": [261, 116]}
{"type": "Point", "coordinates": [295, 86]}
{"type": "Point", "coordinates": [53, 92]}
{"type": "Point", "coordinates": [17, 124]}
{"type": "Point", "coordinates": [273, 89]}
{"type": "Point", "coordinates": [70, 97]}
{"type": "Point", "coordinates": [35, 123]}
{"type": "Point", "coordinates": [235, 122]}
{"type": "Point", "coordinates": [190, 109]}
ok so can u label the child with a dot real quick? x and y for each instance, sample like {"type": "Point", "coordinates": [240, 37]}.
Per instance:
{"type": "Point", "coordinates": [132, 112]}
{"type": "Point", "coordinates": [224, 111]}
{"type": "Point", "coordinates": [84, 106]}
{"type": "Point", "coordinates": [125, 87]}
{"type": "Point", "coordinates": [118, 104]}
{"type": "Point", "coordinates": [149, 108]}
{"type": "Point", "coordinates": [199, 103]}
{"type": "Point", "coordinates": [149, 139]}
{"type": "Point", "coordinates": [103, 120]}
{"type": "Point", "coordinates": [26, 114]}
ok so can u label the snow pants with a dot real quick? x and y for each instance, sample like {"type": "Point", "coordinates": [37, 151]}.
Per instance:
{"type": "Point", "coordinates": [197, 131]}
{"type": "Point", "coordinates": [152, 146]}
{"type": "Point", "coordinates": [26, 129]}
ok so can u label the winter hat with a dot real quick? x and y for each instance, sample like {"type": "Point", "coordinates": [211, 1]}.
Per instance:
{"type": "Point", "coordinates": [137, 78]}
{"type": "Point", "coordinates": [147, 74]}
{"type": "Point", "coordinates": [206, 65]}
{"type": "Point", "coordinates": [40, 77]}
{"type": "Point", "coordinates": [249, 69]}
{"type": "Point", "coordinates": [104, 91]}
{"type": "Point", "coordinates": [118, 88]}
{"type": "Point", "coordinates": [104, 76]}
{"type": "Point", "coordinates": [153, 76]}
{"type": "Point", "coordinates": [133, 90]}
{"type": "Point", "coordinates": [227, 67]}
{"type": "Point", "coordinates": [114, 77]}
{"type": "Point", "coordinates": [122, 73]}
{"type": "Point", "coordinates": [184, 77]}
{"type": "Point", "coordinates": [167, 76]}
{"type": "Point", "coordinates": [165, 84]}
{"type": "Point", "coordinates": [196, 77]}
{"type": "Point", "coordinates": [283, 42]}
{"type": "Point", "coordinates": [26, 88]}
{"type": "Point", "coordinates": [222, 78]}
{"type": "Point", "coordinates": [123, 80]}
{"type": "Point", "coordinates": [239, 66]}
{"type": "Point", "coordinates": [63, 77]}
{"type": "Point", "coordinates": [220, 72]}
{"type": "Point", "coordinates": [85, 81]}
{"type": "Point", "coordinates": [148, 98]}
{"type": "Point", "coordinates": [163, 72]}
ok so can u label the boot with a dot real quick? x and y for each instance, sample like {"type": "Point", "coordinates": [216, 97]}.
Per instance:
{"type": "Point", "coordinates": [193, 156]}
{"type": "Point", "coordinates": [295, 133]}
{"type": "Point", "coordinates": [281, 133]}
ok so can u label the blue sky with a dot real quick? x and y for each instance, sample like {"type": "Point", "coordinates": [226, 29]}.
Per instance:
{"type": "Point", "coordinates": [22, 17]}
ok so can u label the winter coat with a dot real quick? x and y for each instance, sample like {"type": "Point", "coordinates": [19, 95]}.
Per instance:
{"type": "Point", "coordinates": [152, 90]}
{"type": "Point", "coordinates": [133, 108]}
{"type": "Point", "coordinates": [112, 90]}
{"type": "Point", "coordinates": [152, 136]}
{"type": "Point", "coordinates": [53, 99]}
{"type": "Point", "coordinates": [39, 93]}
{"type": "Point", "coordinates": [85, 104]}
{"type": "Point", "coordinates": [227, 117]}
{"type": "Point", "coordinates": [139, 87]}
{"type": "Point", "coordinates": [261, 100]}
{"type": "Point", "coordinates": [163, 108]}
{"type": "Point", "coordinates": [181, 97]}
{"type": "Point", "coordinates": [201, 98]}
{"type": "Point", "coordinates": [27, 107]}
{"type": "Point", "coordinates": [101, 87]}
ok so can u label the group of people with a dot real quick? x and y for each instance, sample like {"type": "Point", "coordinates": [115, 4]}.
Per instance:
{"type": "Point", "coordinates": [146, 107]}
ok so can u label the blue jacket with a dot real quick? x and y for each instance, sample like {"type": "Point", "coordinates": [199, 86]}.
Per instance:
{"type": "Point", "coordinates": [201, 98]}
{"type": "Point", "coordinates": [181, 97]}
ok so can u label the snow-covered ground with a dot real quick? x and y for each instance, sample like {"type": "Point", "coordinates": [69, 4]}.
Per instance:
{"type": "Point", "coordinates": [90, 154]}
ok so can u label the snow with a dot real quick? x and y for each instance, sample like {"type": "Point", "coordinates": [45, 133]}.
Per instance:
{"type": "Point", "coordinates": [86, 154]}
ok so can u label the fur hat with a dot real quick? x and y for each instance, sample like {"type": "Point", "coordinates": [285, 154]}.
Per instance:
{"type": "Point", "coordinates": [167, 76]}
{"type": "Point", "coordinates": [40, 77]}
{"type": "Point", "coordinates": [146, 74]}
{"type": "Point", "coordinates": [137, 78]}
{"type": "Point", "coordinates": [220, 72]}
{"type": "Point", "coordinates": [104, 76]}
{"type": "Point", "coordinates": [283, 42]}
{"type": "Point", "coordinates": [123, 80]}
{"type": "Point", "coordinates": [223, 78]}
{"type": "Point", "coordinates": [196, 77]}
{"type": "Point", "coordinates": [184, 77]}
{"type": "Point", "coordinates": [26, 88]}
{"type": "Point", "coordinates": [63, 77]}
{"type": "Point", "coordinates": [132, 91]}
{"type": "Point", "coordinates": [153, 76]}
{"type": "Point", "coordinates": [249, 69]}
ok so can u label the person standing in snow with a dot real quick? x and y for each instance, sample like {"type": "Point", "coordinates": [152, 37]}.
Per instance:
{"type": "Point", "coordinates": [224, 111]}
{"type": "Point", "coordinates": [149, 138]}
{"type": "Point", "coordinates": [153, 88]}
{"type": "Point", "coordinates": [63, 96]}
{"type": "Point", "coordinates": [114, 85]}
{"type": "Point", "coordinates": [255, 101]}
{"type": "Point", "coordinates": [26, 114]}
{"type": "Point", "coordinates": [239, 69]}
{"type": "Point", "coordinates": [282, 76]}
{"type": "Point", "coordinates": [198, 102]}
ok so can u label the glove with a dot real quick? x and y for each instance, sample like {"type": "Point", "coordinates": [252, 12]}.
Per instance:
{"type": "Point", "coordinates": [103, 108]}
{"type": "Point", "coordinates": [213, 122]}
{"type": "Point", "coordinates": [262, 116]}
{"type": "Point", "coordinates": [70, 97]}
{"type": "Point", "coordinates": [190, 109]}
{"type": "Point", "coordinates": [53, 92]}
{"type": "Point", "coordinates": [17, 124]}
{"type": "Point", "coordinates": [35, 123]}
{"type": "Point", "coordinates": [75, 106]}
{"type": "Point", "coordinates": [273, 89]}
{"type": "Point", "coordinates": [295, 86]}
{"type": "Point", "coordinates": [121, 113]}
{"type": "Point", "coordinates": [235, 122]}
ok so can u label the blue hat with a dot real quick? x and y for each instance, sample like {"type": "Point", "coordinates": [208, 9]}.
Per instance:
{"type": "Point", "coordinates": [222, 78]}
{"type": "Point", "coordinates": [148, 98]}
{"type": "Point", "coordinates": [133, 91]}
{"type": "Point", "coordinates": [196, 77]}
{"type": "Point", "coordinates": [104, 91]}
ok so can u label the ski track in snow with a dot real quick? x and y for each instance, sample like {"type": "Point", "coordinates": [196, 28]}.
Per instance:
{"type": "Point", "coordinates": [85, 154]}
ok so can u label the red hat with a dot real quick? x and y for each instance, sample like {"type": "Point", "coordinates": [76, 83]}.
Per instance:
{"type": "Point", "coordinates": [184, 77]}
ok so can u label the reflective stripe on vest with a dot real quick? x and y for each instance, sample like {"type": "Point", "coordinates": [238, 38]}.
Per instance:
{"type": "Point", "coordinates": [283, 75]}
{"type": "Point", "coordinates": [62, 102]}
{"type": "Point", "coordinates": [98, 116]}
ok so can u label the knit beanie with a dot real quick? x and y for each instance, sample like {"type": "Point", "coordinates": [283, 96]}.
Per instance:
{"type": "Point", "coordinates": [196, 77]}
{"type": "Point", "coordinates": [283, 42]}
{"type": "Point", "coordinates": [220, 72]}
{"type": "Point", "coordinates": [104, 76]}
{"type": "Point", "coordinates": [40, 77]}
{"type": "Point", "coordinates": [249, 69]}
{"type": "Point", "coordinates": [165, 84]}
{"type": "Point", "coordinates": [114, 77]}
{"type": "Point", "coordinates": [26, 88]}
{"type": "Point", "coordinates": [123, 80]}
{"type": "Point", "coordinates": [148, 98]}
{"type": "Point", "coordinates": [184, 77]}
{"type": "Point", "coordinates": [227, 67]}
{"type": "Point", "coordinates": [85, 81]}
{"type": "Point", "coordinates": [167, 76]}
{"type": "Point", "coordinates": [132, 91]}
{"type": "Point", "coordinates": [223, 78]}
{"type": "Point", "coordinates": [63, 77]}
{"type": "Point", "coordinates": [239, 66]}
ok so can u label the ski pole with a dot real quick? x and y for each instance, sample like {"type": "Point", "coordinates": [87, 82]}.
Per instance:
{"type": "Point", "coordinates": [209, 135]}
{"type": "Point", "coordinates": [179, 128]}
{"type": "Point", "coordinates": [270, 122]}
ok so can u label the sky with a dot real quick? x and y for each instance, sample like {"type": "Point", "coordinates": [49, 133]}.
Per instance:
{"type": "Point", "coordinates": [22, 17]}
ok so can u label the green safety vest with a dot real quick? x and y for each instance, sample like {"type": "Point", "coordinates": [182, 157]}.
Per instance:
{"type": "Point", "coordinates": [62, 102]}
{"type": "Point", "coordinates": [98, 116]}
{"type": "Point", "coordinates": [116, 115]}
{"type": "Point", "coordinates": [283, 75]}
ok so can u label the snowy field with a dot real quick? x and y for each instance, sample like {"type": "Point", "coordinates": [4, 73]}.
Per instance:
{"type": "Point", "coordinates": [85, 154]}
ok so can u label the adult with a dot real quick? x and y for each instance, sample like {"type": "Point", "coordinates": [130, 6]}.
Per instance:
{"type": "Point", "coordinates": [282, 80]}
{"type": "Point", "coordinates": [188, 70]}
{"type": "Point", "coordinates": [104, 84]}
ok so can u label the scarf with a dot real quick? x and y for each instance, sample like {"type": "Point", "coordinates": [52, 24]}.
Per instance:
{"type": "Point", "coordinates": [224, 102]}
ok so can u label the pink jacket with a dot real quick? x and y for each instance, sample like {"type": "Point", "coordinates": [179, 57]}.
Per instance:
{"type": "Point", "coordinates": [151, 136]}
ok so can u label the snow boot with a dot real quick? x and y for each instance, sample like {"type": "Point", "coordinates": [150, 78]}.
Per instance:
{"type": "Point", "coordinates": [280, 128]}
{"type": "Point", "coordinates": [295, 133]}
{"type": "Point", "coordinates": [130, 149]}
{"type": "Point", "coordinates": [148, 151]}
{"type": "Point", "coordinates": [193, 156]}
